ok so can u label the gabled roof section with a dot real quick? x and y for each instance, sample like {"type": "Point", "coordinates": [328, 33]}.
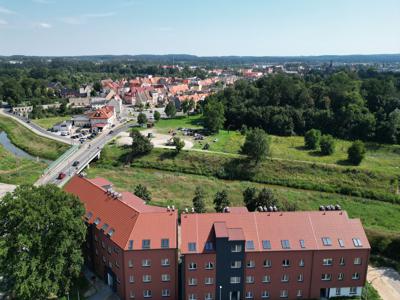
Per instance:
{"type": "Point", "coordinates": [128, 217]}
{"type": "Point", "coordinates": [278, 228]}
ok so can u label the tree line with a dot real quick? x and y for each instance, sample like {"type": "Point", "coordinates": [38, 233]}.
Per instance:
{"type": "Point", "coordinates": [345, 104]}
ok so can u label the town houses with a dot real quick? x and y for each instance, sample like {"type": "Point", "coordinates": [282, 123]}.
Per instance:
{"type": "Point", "coordinates": [236, 254]}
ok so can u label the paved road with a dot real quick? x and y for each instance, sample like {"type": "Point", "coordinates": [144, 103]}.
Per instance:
{"type": "Point", "coordinates": [386, 281]}
{"type": "Point", "coordinates": [38, 130]}
{"type": "Point", "coordinates": [84, 155]}
{"type": "Point", "coordinates": [5, 188]}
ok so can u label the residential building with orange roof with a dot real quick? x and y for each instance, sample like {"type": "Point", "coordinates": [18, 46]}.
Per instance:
{"type": "Point", "coordinates": [130, 244]}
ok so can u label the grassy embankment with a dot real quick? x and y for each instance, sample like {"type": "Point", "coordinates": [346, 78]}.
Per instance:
{"type": "Point", "coordinates": [47, 123]}
{"type": "Point", "coordinates": [15, 170]}
{"type": "Point", "coordinates": [27, 140]}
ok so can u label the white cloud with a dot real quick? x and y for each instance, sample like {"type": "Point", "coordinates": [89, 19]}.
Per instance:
{"type": "Point", "coordinates": [3, 22]}
{"type": "Point", "coordinates": [6, 11]}
{"type": "Point", "coordinates": [44, 25]}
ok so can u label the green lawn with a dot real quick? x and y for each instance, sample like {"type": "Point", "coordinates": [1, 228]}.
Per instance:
{"type": "Point", "coordinates": [384, 158]}
{"type": "Point", "coordinates": [30, 142]}
{"type": "Point", "coordinates": [47, 123]}
{"type": "Point", "coordinates": [172, 188]}
{"type": "Point", "coordinates": [14, 170]}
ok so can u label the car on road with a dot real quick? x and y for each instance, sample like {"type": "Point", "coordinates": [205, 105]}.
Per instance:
{"type": "Point", "coordinates": [111, 132]}
{"type": "Point", "coordinates": [61, 175]}
{"type": "Point", "coordinates": [75, 163]}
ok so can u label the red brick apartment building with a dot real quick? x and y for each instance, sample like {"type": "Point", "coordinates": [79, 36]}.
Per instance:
{"type": "Point", "coordinates": [224, 256]}
{"type": "Point", "coordinates": [272, 255]}
{"type": "Point", "coordinates": [131, 245]}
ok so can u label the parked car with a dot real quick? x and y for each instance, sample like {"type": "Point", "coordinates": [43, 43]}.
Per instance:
{"type": "Point", "coordinates": [75, 163]}
{"type": "Point", "coordinates": [61, 176]}
{"type": "Point", "coordinates": [111, 132]}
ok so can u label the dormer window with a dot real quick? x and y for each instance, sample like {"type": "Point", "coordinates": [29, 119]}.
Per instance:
{"type": "Point", "coordinates": [326, 241]}
{"type": "Point", "coordinates": [285, 244]}
{"type": "Point", "coordinates": [97, 221]}
{"type": "Point", "coordinates": [104, 227]}
{"type": "Point", "coordinates": [357, 242]}
{"type": "Point", "coordinates": [250, 245]}
{"type": "Point", "coordinates": [145, 244]}
{"type": "Point", "coordinates": [192, 247]}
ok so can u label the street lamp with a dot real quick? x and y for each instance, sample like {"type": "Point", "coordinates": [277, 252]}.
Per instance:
{"type": "Point", "coordinates": [220, 292]}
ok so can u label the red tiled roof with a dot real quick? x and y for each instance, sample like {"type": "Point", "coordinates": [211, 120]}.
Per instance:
{"type": "Point", "coordinates": [309, 226]}
{"type": "Point", "coordinates": [129, 216]}
{"type": "Point", "coordinates": [105, 112]}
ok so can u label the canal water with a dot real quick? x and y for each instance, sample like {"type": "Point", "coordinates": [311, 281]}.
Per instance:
{"type": "Point", "coordinates": [8, 145]}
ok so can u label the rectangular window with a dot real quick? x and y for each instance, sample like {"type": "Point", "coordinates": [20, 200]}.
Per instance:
{"type": "Point", "coordinates": [300, 278]}
{"type": "Point", "coordinates": [165, 243]}
{"type": "Point", "coordinates": [192, 297]}
{"type": "Point", "coordinates": [341, 261]}
{"type": "Point", "coordinates": [209, 266]}
{"type": "Point", "coordinates": [165, 277]}
{"type": "Point", "coordinates": [285, 263]}
{"type": "Point", "coordinates": [97, 221]}
{"type": "Point", "coordinates": [192, 281]}
{"type": "Point", "coordinates": [236, 248]}
{"type": "Point", "coordinates": [130, 246]}
{"type": "Point", "coordinates": [326, 277]}
{"type": "Point", "coordinates": [208, 296]}
{"type": "Point", "coordinates": [355, 276]}
{"type": "Point", "coordinates": [146, 278]}
{"type": "Point", "coordinates": [265, 295]}
{"type": "Point", "coordinates": [267, 263]}
{"type": "Point", "coordinates": [327, 261]}
{"type": "Point", "coordinates": [284, 293]}
{"type": "Point", "coordinates": [146, 263]}
{"type": "Point", "coordinates": [340, 276]}
{"type": "Point", "coordinates": [266, 244]}
{"type": "Point", "coordinates": [165, 262]}
{"type": "Point", "coordinates": [301, 263]}
{"type": "Point", "coordinates": [208, 280]}
{"type": "Point", "coordinates": [249, 295]}
{"type": "Point", "coordinates": [192, 266]}
{"type": "Point", "coordinates": [130, 263]}
{"type": "Point", "coordinates": [145, 244]}
{"type": "Point", "coordinates": [131, 279]}
{"type": "Point", "coordinates": [285, 278]}
{"type": "Point", "coordinates": [104, 227]}
{"type": "Point", "coordinates": [209, 246]}
{"type": "Point", "coordinates": [299, 293]}
{"type": "Point", "coordinates": [165, 293]}
{"type": "Point", "coordinates": [251, 264]}
{"type": "Point", "coordinates": [341, 243]}
{"type": "Point", "coordinates": [357, 261]}
{"type": "Point", "coordinates": [353, 290]}
{"type": "Point", "coordinates": [266, 279]}
{"type": "Point", "coordinates": [326, 241]}
{"type": "Point", "coordinates": [357, 242]}
{"type": "Point", "coordinates": [302, 244]}
{"type": "Point", "coordinates": [285, 244]}
{"type": "Point", "coordinates": [249, 279]}
{"type": "Point", "coordinates": [235, 280]}
{"type": "Point", "coordinates": [338, 292]}
{"type": "Point", "coordinates": [249, 245]}
{"type": "Point", "coordinates": [237, 264]}
{"type": "Point", "coordinates": [192, 247]}
{"type": "Point", "coordinates": [147, 293]}
{"type": "Point", "coordinates": [132, 294]}
{"type": "Point", "coordinates": [88, 215]}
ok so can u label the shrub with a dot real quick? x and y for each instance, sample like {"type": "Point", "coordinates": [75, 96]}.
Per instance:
{"type": "Point", "coordinates": [312, 139]}
{"type": "Point", "coordinates": [327, 145]}
{"type": "Point", "coordinates": [356, 153]}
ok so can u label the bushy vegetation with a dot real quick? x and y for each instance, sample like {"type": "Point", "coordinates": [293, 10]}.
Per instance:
{"type": "Point", "coordinates": [356, 152]}
{"type": "Point", "coordinates": [345, 104]}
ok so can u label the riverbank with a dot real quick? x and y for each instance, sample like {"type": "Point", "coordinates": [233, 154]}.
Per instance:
{"type": "Point", "coordinates": [31, 143]}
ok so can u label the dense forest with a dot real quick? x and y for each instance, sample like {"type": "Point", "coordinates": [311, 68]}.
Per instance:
{"type": "Point", "coordinates": [351, 105]}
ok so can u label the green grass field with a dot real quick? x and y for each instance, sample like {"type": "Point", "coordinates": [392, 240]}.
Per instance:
{"type": "Point", "coordinates": [348, 181]}
{"type": "Point", "coordinates": [14, 170]}
{"type": "Point", "coordinates": [47, 123]}
{"type": "Point", "coordinates": [27, 140]}
{"type": "Point", "coordinates": [172, 188]}
{"type": "Point", "coordinates": [384, 158]}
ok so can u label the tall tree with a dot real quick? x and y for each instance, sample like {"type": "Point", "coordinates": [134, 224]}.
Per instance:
{"type": "Point", "coordinates": [157, 115]}
{"type": "Point", "coordinates": [312, 139]}
{"type": "Point", "coordinates": [41, 237]}
{"type": "Point", "coordinates": [256, 145]}
{"type": "Point", "coordinates": [199, 200]}
{"type": "Point", "coordinates": [142, 119]}
{"type": "Point", "coordinates": [249, 198]}
{"type": "Point", "coordinates": [327, 145]}
{"type": "Point", "coordinates": [356, 152]}
{"type": "Point", "coordinates": [170, 109]}
{"type": "Point", "coordinates": [179, 144]}
{"type": "Point", "coordinates": [213, 115]}
{"type": "Point", "coordinates": [140, 144]}
{"type": "Point", "coordinates": [221, 201]}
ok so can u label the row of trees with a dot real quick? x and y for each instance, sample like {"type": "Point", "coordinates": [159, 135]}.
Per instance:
{"type": "Point", "coordinates": [343, 104]}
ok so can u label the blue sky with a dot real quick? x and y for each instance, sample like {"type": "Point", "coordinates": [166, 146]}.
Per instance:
{"type": "Point", "coordinates": [205, 27]}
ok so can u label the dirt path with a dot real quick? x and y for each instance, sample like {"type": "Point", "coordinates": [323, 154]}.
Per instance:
{"type": "Point", "coordinates": [386, 281]}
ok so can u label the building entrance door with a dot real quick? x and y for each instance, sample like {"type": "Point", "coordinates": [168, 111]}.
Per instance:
{"type": "Point", "coordinates": [234, 295]}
